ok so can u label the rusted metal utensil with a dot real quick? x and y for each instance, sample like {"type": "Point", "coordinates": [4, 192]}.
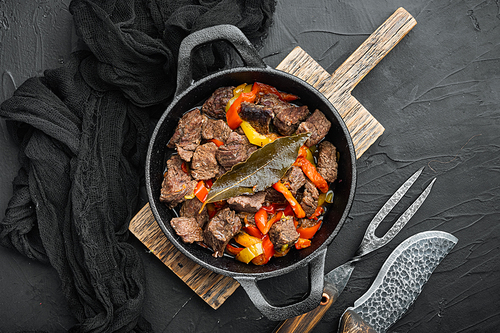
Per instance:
{"type": "Point", "coordinates": [336, 280]}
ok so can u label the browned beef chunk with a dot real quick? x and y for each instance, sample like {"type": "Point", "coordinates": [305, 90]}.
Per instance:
{"type": "Point", "coordinates": [258, 116]}
{"type": "Point", "coordinates": [235, 150]}
{"type": "Point", "coordinates": [247, 219]}
{"type": "Point", "coordinates": [283, 233]}
{"type": "Point", "coordinates": [187, 228]}
{"type": "Point", "coordinates": [318, 125]}
{"type": "Point", "coordinates": [307, 223]}
{"type": "Point", "coordinates": [187, 135]}
{"type": "Point", "coordinates": [176, 183]}
{"type": "Point", "coordinates": [247, 203]}
{"type": "Point", "coordinates": [294, 179]}
{"type": "Point", "coordinates": [215, 129]}
{"type": "Point", "coordinates": [190, 208]}
{"type": "Point", "coordinates": [215, 105]}
{"type": "Point", "coordinates": [221, 171]}
{"type": "Point", "coordinates": [220, 229]}
{"type": "Point", "coordinates": [327, 161]}
{"type": "Point", "coordinates": [310, 197]}
{"type": "Point", "coordinates": [273, 196]}
{"type": "Point", "coordinates": [204, 164]}
{"type": "Point", "coordinates": [287, 117]}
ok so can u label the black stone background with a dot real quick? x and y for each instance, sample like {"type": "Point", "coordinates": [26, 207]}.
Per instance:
{"type": "Point", "coordinates": [437, 93]}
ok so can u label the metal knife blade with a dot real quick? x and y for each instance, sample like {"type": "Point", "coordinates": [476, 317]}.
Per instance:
{"type": "Point", "coordinates": [398, 283]}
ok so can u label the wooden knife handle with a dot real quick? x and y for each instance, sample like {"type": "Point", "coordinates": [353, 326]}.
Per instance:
{"type": "Point", "coordinates": [307, 321]}
{"type": "Point", "coordinates": [351, 322]}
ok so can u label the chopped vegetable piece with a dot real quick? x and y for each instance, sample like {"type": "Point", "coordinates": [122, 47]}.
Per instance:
{"type": "Point", "coordinates": [261, 219]}
{"type": "Point", "coordinates": [297, 208]}
{"type": "Point", "coordinates": [248, 253]}
{"type": "Point", "coordinates": [253, 231]}
{"type": "Point", "coordinates": [317, 212]}
{"type": "Point", "coordinates": [321, 199]}
{"type": "Point", "coordinates": [310, 157]}
{"type": "Point", "coordinates": [245, 239]}
{"type": "Point", "coordinates": [212, 210]}
{"type": "Point", "coordinates": [185, 167]}
{"type": "Point", "coordinates": [267, 89]}
{"type": "Point", "coordinates": [311, 173]}
{"type": "Point", "coordinates": [233, 249]}
{"type": "Point", "coordinates": [262, 223]}
{"type": "Point", "coordinates": [302, 243]}
{"type": "Point", "coordinates": [268, 247]}
{"type": "Point", "coordinates": [232, 116]}
{"type": "Point", "coordinates": [237, 92]}
{"type": "Point", "coordinates": [306, 153]}
{"type": "Point", "coordinates": [308, 233]}
{"type": "Point", "coordinates": [329, 196]}
{"type": "Point", "coordinates": [273, 208]}
{"type": "Point", "coordinates": [218, 143]}
{"type": "Point", "coordinates": [288, 211]}
{"type": "Point", "coordinates": [253, 136]}
{"type": "Point", "coordinates": [283, 251]}
{"type": "Point", "coordinates": [201, 191]}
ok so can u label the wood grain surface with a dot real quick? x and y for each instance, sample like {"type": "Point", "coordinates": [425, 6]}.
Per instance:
{"type": "Point", "coordinates": [213, 288]}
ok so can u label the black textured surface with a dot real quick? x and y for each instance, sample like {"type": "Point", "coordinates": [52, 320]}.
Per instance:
{"type": "Point", "coordinates": [437, 95]}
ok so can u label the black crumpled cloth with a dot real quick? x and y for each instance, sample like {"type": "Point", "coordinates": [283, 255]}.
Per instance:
{"type": "Point", "coordinates": [83, 134]}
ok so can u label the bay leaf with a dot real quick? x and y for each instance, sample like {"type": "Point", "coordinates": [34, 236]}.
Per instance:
{"type": "Point", "coordinates": [261, 170]}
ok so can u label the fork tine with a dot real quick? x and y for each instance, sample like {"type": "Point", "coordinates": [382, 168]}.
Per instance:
{"type": "Point", "coordinates": [393, 200]}
{"type": "Point", "coordinates": [371, 242]}
{"type": "Point", "coordinates": [398, 225]}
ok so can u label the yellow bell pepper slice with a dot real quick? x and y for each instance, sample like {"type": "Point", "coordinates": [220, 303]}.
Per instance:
{"type": "Point", "coordinates": [253, 136]}
{"type": "Point", "coordinates": [242, 88]}
{"type": "Point", "coordinates": [245, 239]}
{"type": "Point", "coordinates": [248, 253]}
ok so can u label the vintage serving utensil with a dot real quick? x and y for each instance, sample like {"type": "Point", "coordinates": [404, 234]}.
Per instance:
{"type": "Point", "coordinates": [336, 280]}
{"type": "Point", "coordinates": [398, 283]}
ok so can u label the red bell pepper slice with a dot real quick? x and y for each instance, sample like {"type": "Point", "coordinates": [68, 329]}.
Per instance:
{"type": "Point", "coordinates": [201, 191]}
{"type": "Point", "coordinates": [302, 243]}
{"type": "Point", "coordinates": [268, 247]}
{"type": "Point", "coordinates": [232, 115]}
{"type": "Point", "coordinates": [310, 171]}
{"type": "Point", "coordinates": [317, 212]}
{"type": "Point", "coordinates": [185, 167]}
{"type": "Point", "coordinates": [288, 210]}
{"type": "Point", "coordinates": [233, 249]}
{"type": "Point", "coordinates": [270, 209]}
{"type": "Point", "coordinates": [297, 208]}
{"type": "Point", "coordinates": [218, 143]}
{"type": "Point", "coordinates": [267, 89]}
{"type": "Point", "coordinates": [308, 233]}
{"type": "Point", "coordinates": [261, 220]}
{"type": "Point", "coordinates": [253, 231]}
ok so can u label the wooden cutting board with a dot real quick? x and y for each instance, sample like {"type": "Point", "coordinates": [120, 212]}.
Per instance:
{"type": "Point", "coordinates": [337, 87]}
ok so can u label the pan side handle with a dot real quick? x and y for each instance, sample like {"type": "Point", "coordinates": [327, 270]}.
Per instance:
{"type": "Point", "coordinates": [226, 32]}
{"type": "Point", "coordinates": [279, 313]}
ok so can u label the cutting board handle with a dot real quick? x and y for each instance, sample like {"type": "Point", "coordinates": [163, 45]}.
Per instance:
{"type": "Point", "coordinates": [373, 49]}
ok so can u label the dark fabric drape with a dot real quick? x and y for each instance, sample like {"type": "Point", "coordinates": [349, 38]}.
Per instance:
{"type": "Point", "coordinates": [83, 131]}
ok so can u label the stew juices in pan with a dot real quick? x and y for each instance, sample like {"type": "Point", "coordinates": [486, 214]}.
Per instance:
{"type": "Point", "coordinates": [251, 174]}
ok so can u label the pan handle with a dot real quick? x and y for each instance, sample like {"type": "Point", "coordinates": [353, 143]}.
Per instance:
{"type": "Point", "coordinates": [316, 284]}
{"type": "Point", "coordinates": [229, 33]}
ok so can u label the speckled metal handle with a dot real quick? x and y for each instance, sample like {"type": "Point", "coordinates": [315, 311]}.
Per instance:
{"type": "Point", "coordinates": [316, 284]}
{"type": "Point", "coordinates": [226, 32]}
